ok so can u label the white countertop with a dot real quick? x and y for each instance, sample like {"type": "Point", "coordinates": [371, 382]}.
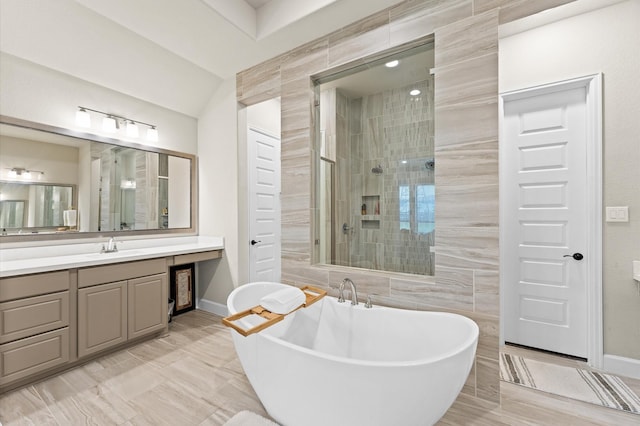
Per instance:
{"type": "Point", "coordinates": [29, 260]}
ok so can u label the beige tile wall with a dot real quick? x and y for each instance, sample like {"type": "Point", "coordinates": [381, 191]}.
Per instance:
{"type": "Point", "coordinates": [466, 147]}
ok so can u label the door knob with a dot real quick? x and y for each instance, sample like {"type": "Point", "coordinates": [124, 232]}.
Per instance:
{"type": "Point", "coordinates": [576, 256]}
{"type": "Point", "coordinates": [254, 242]}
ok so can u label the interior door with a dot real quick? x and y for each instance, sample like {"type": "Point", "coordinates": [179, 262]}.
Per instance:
{"type": "Point", "coordinates": [544, 188]}
{"type": "Point", "coordinates": [264, 205]}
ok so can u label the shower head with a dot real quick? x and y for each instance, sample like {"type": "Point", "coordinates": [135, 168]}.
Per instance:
{"type": "Point", "coordinates": [377, 170]}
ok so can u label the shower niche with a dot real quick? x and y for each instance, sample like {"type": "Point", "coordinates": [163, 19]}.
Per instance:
{"type": "Point", "coordinates": [375, 131]}
{"type": "Point", "coordinates": [370, 211]}
{"type": "Point", "coordinates": [370, 207]}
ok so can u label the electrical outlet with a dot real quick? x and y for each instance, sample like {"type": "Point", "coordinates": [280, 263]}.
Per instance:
{"type": "Point", "coordinates": [617, 214]}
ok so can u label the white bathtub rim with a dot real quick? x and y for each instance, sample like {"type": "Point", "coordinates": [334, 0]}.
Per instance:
{"type": "Point", "coordinates": [460, 348]}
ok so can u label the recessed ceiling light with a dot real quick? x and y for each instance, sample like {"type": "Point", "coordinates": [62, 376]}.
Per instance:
{"type": "Point", "coordinates": [414, 92]}
{"type": "Point", "coordinates": [404, 161]}
{"type": "Point", "coordinates": [392, 64]}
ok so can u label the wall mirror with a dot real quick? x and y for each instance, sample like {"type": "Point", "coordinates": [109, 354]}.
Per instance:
{"type": "Point", "coordinates": [56, 183]}
{"type": "Point", "coordinates": [374, 143]}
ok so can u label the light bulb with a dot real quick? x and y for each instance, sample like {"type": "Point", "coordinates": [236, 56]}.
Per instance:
{"type": "Point", "coordinates": [26, 174]}
{"type": "Point", "coordinates": [12, 173]}
{"type": "Point", "coordinates": [392, 64]}
{"type": "Point", "coordinates": [109, 124]}
{"type": "Point", "coordinates": [128, 184]}
{"type": "Point", "coordinates": [132, 129]}
{"type": "Point", "coordinates": [414, 92]}
{"type": "Point", "coordinates": [152, 134]}
{"type": "Point", "coordinates": [83, 118]}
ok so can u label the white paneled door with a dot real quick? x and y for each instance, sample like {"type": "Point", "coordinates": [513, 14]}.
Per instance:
{"type": "Point", "coordinates": [545, 219]}
{"type": "Point", "coordinates": [264, 205]}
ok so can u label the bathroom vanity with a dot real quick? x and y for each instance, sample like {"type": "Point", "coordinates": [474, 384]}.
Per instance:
{"type": "Point", "coordinates": [62, 305]}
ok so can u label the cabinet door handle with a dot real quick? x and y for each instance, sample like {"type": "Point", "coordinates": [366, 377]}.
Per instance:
{"type": "Point", "coordinates": [254, 242]}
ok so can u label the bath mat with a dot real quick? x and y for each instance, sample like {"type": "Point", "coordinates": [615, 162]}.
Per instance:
{"type": "Point", "coordinates": [247, 418]}
{"type": "Point", "coordinates": [575, 383]}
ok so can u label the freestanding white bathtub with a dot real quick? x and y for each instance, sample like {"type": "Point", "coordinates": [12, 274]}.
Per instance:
{"type": "Point", "coordinates": [334, 364]}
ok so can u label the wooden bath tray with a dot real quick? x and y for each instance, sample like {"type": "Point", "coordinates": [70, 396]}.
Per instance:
{"type": "Point", "coordinates": [312, 295]}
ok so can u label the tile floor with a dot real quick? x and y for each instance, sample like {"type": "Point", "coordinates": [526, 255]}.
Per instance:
{"type": "Point", "coordinates": [192, 377]}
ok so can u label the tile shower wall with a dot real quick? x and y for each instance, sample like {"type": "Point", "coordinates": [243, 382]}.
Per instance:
{"type": "Point", "coordinates": [107, 182]}
{"type": "Point", "coordinates": [466, 115]}
{"type": "Point", "coordinates": [394, 132]}
{"type": "Point", "coordinates": [343, 182]}
{"type": "Point", "coordinates": [146, 216]}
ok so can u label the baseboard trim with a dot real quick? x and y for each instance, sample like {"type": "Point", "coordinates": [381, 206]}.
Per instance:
{"type": "Point", "coordinates": [212, 307]}
{"type": "Point", "coordinates": [622, 366]}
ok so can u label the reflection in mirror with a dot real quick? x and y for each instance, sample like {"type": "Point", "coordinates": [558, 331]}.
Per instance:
{"type": "Point", "coordinates": [99, 187]}
{"type": "Point", "coordinates": [33, 205]}
{"type": "Point", "coordinates": [375, 181]}
{"type": "Point", "coordinates": [12, 214]}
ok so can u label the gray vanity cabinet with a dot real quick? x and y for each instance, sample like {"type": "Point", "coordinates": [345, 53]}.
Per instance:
{"type": "Point", "coordinates": [35, 328]}
{"type": "Point", "coordinates": [120, 302]}
{"type": "Point", "coordinates": [102, 317]}
{"type": "Point", "coordinates": [55, 320]}
{"type": "Point", "coordinates": [147, 305]}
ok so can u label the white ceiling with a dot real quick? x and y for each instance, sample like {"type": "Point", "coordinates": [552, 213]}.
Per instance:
{"type": "Point", "coordinates": [257, 3]}
{"type": "Point", "coordinates": [167, 52]}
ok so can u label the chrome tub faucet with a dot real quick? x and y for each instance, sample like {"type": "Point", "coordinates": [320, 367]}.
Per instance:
{"type": "Point", "coordinates": [354, 293]}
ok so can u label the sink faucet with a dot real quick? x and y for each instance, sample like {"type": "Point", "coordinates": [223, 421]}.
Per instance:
{"type": "Point", "coordinates": [354, 293]}
{"type": "Point", "coordinates": [111, 246]}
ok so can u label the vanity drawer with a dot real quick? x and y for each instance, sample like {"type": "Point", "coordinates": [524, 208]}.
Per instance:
{"type": "Point", "coordinates": [120, 272]}
{"type": "Point", "coordinates": [33, 285]}
{"type": "Point", "coordinates": [32, 355]}
{"type": "Point", "coordinates": [34, 315]}
{"type": "Point", "coordinates": [182, 259]}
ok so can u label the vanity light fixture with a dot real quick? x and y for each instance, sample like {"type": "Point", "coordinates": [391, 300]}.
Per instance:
{"type": "Point", "coordinates": [392, 64]}
{"type": "Point", "coordinates": [83, 118]}
{"type": "Point", "coordinates": [132, 129]}
{"type": "Point", "coordinates": [152, 134]}
{"type": "Point", "coordinates": [109, 124]}
{"type": "Point", "coordinates": [112, 123]}
{"type": "Point", "coordinates": [21, 172]}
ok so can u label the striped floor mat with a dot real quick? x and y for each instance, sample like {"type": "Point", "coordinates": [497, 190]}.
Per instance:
{"type": "Point", "coordinates": [584, 385]}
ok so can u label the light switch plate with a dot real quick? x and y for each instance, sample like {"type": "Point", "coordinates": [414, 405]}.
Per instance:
{"type": "Point", "coordinates": [617, 214]}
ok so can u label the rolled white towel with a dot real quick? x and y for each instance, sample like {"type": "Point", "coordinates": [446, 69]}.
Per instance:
{"type": "Point", "coordinates": [69, 217]}
{"type": "Point", "coordinates": [283, 301]}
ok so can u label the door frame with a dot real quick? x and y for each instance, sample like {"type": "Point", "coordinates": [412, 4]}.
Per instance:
{"type": "Point", "coordinates": [593, 85]}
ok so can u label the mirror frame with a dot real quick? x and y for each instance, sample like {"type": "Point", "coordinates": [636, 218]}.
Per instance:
{"type": "Point", "coordinates": [192, 230]}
